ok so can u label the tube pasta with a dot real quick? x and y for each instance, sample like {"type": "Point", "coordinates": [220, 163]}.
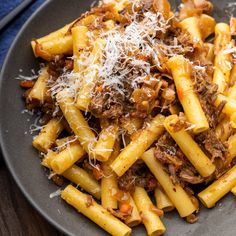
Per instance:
{"type": "Point", "coordinates": [222, 61]}
{"type": "Point", "coordinates": [109, 188]}
{"type": "Point", "coordinates": [57, 46]}
{"type": "Point", "coordinates": [77, 122]}
{"type": "Point", "coordinates": [80, 177]}
{"type": "Point", "coordinates": [109, 183]}
{"type": "Point", "coordinates": [210, 51]}
{"type": "Point", "coordinates": [232, 92]}
{"type": "Point", "coordinates": [150, 219]}
{"type": "Point", "coordinates": [233, 75]}
{"type": "Point", "coordinates": [39, 91]}
{"type": "Point", "coordinates": [191, 25]}
{"type": "Point", "coordinates": [162, 201]}
{"type": "Point", "coordinates": [219, 188]}
{"type": "Point", "coordinates": [131, 124]}
{"type": "Point", "coordinates": [80, 42]}
{"type": "Point", "coordinates": [233, 190]}
{"type": "Point", "coordinates": [207, 25]}
{"type": "Point", "coordinates": [95, 212]}
{"type": "Point", "coordinates": [105, 143]}
{"type": "Point", "coordinates": [230, 104]}
{"type": "Point", "coordinates": [233, 120]}
{"type": "Point", "coordinates": [138, 146]}
{"type": "Point", "coordinates": [67, 157]}
{"type": "Point", "coordinates": [223, 129]}
{"type": "Point", "coordinates": [175, 192]}
{"type": "Point", "coordinates": [90, 76]}
{"type": "Point", "coordinates": [46, 162]}
{"type": "Point", "coordinates": [181, 70]}
{"type": "Point", "coordinates": [62, 142]}
{"type": "Point", "coordinates": [134, 219]}
{"type": "Point", "coordinates": [54, 35]}
{"type": "Point", "coordinates": [76, 175]}
{"type": "Point", "coordinates": [48, 135]}
{"type": "Point", "coordinates": [231, 147]}
{"type": "Point", "coordinates": [189, 147]}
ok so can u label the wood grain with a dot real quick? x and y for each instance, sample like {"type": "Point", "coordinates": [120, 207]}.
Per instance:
{"type": "Point", "coordinates": [17, 216]}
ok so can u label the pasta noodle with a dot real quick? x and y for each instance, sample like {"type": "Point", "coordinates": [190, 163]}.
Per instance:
{"type": "Point", "coordinates": [48, 135]}
{"type": "Point", "coordinates": [77, 122]}
{"type": "Point", "coordinates": [175, 192]}
{"type": "Point", "coordinates": [95, 212]}
{"type": "Point", "coordinates": [181, 71]}
{"type": "Point", "coordinates": [150, 219]}
{"type": "Point", "coordinates": [189, 147]}
{"type": "Point", "coordinates": [138, 146]}
{"type": "Point", "coordinates": [222, 61]}
{"type": "Point", "coordinates": [219, 188]}
{"type": "Point", "coordinates": [162, 201]}
{"type": "Point", "coordinates": [67, 157]}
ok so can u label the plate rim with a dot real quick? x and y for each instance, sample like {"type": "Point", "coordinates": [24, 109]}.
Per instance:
{"type": "Point", "coordinates": [3, 147]}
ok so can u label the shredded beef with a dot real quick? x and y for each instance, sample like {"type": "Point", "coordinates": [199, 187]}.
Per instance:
{"type": "Point", "coordinates": [176, 164]}
{"type": "Point", "coordinates": [212, 145]}
{"type": "Point", "coordinates": [137, 175]}
{"type": "Point", "coordinates": [207, 93]}
{"type": "Point", "coordinates": [103, 106]}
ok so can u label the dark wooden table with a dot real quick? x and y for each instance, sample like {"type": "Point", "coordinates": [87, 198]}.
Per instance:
{"type": "Point", "coordinates": [17, 216]}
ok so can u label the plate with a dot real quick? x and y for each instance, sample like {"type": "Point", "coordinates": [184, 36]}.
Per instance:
{"type": "Point", "coordinates": [24, 162]}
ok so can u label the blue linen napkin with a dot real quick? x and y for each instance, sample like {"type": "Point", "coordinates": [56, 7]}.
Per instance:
{"type": "Point", "coordinates": [8, 34]}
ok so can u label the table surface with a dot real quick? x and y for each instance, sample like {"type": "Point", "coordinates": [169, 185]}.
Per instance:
{"type": "Point", "coordinates": [17, 216]}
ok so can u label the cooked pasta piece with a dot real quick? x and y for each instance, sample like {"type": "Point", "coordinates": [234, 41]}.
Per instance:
{"type": "Point", "coordinates": [233, 190]}
{"type": "Point", "coordinates": [207, 25]}
{"type": "Point", "coordinates": [62, 142]}
{"type": "Point", "coordinates": [232, 92]}
{"type": "Point", "coordinates": [181, 70]}
{"type": "Point", "coordinates": [232, 148]}
{"type": "Point", "coordinates": [95, 212]}
{"type": "Point", "coordinates": [229, 107]}
{"type": "Point", "coordinates": [48, 135]}
{"type": "Point", "coordinates": [150, 219]}
{"type": "Point", "coordinates": [105, 143]}
{"type": "Point", "coordinates": [84, 180]}
{"type": "Point", "coordinates": [175, 192]}
{"type": "Point", "coordinates": [67, 157]}
{"type": "Point", "coordinates": [77, 122]}
{"type": "Point", "coordinates": [39, 91]}
{"type": "Point", "coordinates": [189, 147]}
{"type": "Point", "coordinates": [76, 175]}
{"type": "Point", "coordinates": [218, 188]}
{"type": "Point", "coordinates": [134, 219]}
{"type": "Point", "coordinates": [191, 24]}
{"type": "Point", "coordinates": [80, 42]}
{"type": "Point", "coordinates": [210, 52]}
{"type": "Point", "coordinates": [223, 129]}
{"type": "Point", "coordinates": [162, 201]}
{"type": "Point", "coordinates": [54, 35]}
{"type": "Point", "coordinates": [233, 75]}
{"type": "Point", "coordinates": [137, 147]}
{"type": "Point", "coordinates": [109, 189]}
{"type": "Point", "coordinates": [90, 76]}
{"type": "Point", "coordinates": [222, 60]}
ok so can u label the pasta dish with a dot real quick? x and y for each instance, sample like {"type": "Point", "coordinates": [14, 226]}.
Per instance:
{"type": "Point", "coordinates": [138, 111]}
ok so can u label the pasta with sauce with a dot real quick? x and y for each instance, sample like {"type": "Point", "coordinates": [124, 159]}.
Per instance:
{"type": "Point", "coordinates": [138, 101]}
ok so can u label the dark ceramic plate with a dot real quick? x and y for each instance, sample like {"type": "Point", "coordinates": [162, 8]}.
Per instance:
{"type": "Point", "coordinates": [23, 160]}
